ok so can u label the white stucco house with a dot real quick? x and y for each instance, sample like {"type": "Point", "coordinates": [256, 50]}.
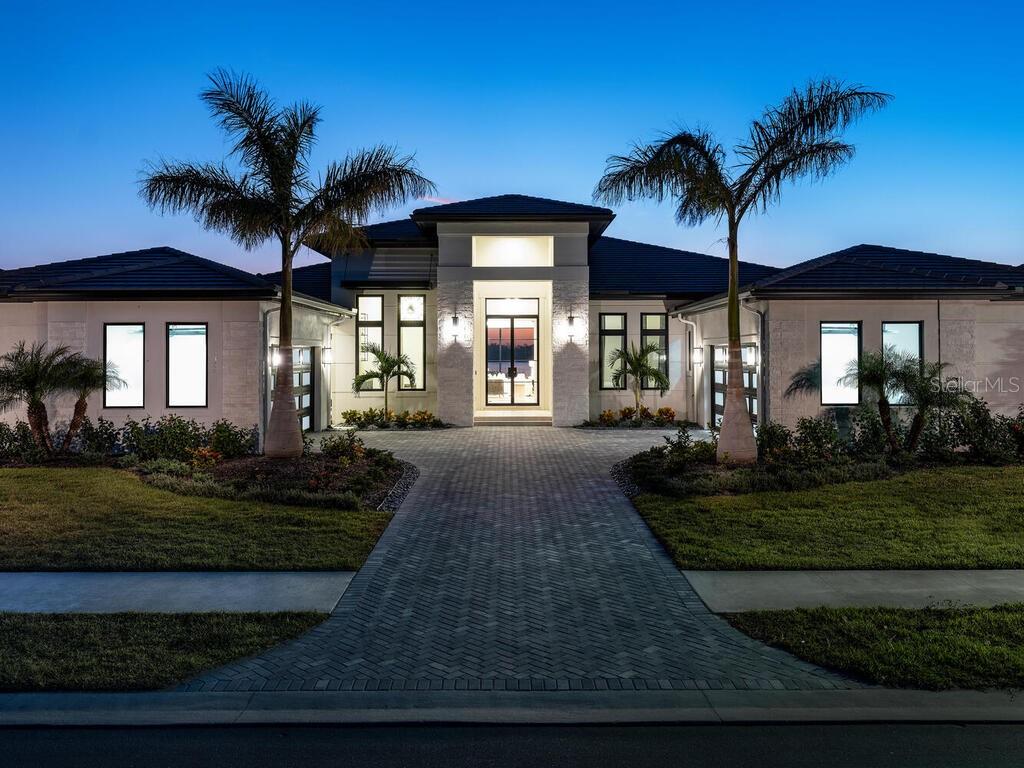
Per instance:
{"type": "Point", "coordinates": [509, 307]}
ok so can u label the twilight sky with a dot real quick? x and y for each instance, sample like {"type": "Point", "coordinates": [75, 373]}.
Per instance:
{"type": "Point", "coordinates": [518, 97]}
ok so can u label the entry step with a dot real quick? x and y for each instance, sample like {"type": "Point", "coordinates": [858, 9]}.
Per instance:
{"type": "Point", "coordinates": [512, 421]}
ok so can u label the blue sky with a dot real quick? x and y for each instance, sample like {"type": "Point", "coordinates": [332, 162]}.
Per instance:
{"type": "Point", "coordinates": [518, 97]}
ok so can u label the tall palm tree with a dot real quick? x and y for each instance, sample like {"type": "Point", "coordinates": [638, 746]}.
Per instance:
{"type": "Point", "coordinates": [635, 364]}
{"type": "Point", "coordinates": [799, 137]}
{"type": "Point", "coordinates": [85, 376]}
{"type": "Point", "coordinates": [275, 196]}
{"type": "Point", "coordinates": [31, 374]}
{"type": "Point", "coordinates": [389, 368]}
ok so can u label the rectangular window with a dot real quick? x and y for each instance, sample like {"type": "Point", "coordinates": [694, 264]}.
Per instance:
{"type": "Point", "coordinates": [840, 354]}
{"type": "Point", "coordinates": [412, 338]}
{"type": "Point", "coordinates": [527, 251]}
{"type": "Point", "coordinates": [654, 330]}
{"type": "Point", "coordinates": [369, 330]}
{"type": "Point", "coordinates": [186, 365]}
{"type": "Point", "coordinates": [905, 339]}
{"type": "Point", "coordinates": [612, 337]}
{"type": "Point", "coordinates": [124, 349]}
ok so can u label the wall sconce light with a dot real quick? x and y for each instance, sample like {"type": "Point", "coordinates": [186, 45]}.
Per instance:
{"type": "Point", "coordinates": [697, 356]}
{"type": "Point", "coordinates": [275, 358]}
{"type": "Point", "coordinates": [455, 327]}
{"type": "Point", "coordinates": [326, 356]}
{"type": "Point", "coordinates": [572, 326]}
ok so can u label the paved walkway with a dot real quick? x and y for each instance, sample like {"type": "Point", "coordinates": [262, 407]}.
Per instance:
{"type": "Point", "coordinates": [171, 592]}
{"type": "Point", "coordinates": [729, 591]}
{"type": "Point", "coordinates": [516, 563]}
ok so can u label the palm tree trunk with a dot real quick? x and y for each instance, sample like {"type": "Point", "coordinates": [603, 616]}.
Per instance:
{"type": "Point", "coordinates": [916, 428]}
{"type": "Point", "coordinates": [636, 395]}
{"type": "Point", "coordinates": [284, 437]}
{"type": "Point", "coordinates": [39, 423]}
{"type": "Point", "coordinates": [81, 406]}
{"type": "Point", "coordinates": [736, 439]}
{"type": "Point", "coordinates": [386, 382]}
{"type": "Point", "coordinates": [885, 416]}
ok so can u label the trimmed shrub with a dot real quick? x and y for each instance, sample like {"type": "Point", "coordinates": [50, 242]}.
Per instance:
{"type": "Point", "coordinates": [17, 444]}
{"type": "Point", "coordinates": [665, 415]}
{"type": "Point", "coordinates": [774, 442]}
{"type": "Point", "coordinates": [817, 440]}
{"type": "Point", "coordinates": [230, 441]}
{"type": "Point", "coordinates": [607, 418]}
{"type": "Point", "coordinates": [345, 446]}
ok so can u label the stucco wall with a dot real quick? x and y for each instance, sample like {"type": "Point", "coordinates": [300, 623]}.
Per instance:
{"type": "Point", "coordinates": [455, 351]}
{"type": "Point", "coordinates": [982, 341]}
{"type": "Point", "coordinates": [343, 347]}
{"type": "Point", "coordinates": [233, 346]}
{"type": "Point", "coordinates": [679, 396]}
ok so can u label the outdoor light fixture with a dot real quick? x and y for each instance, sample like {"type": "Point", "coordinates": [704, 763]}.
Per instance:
{"type": "Point", "coordinates": [572, 326]}
{"type": "Point", "coordinates": [275, 358]}
{"type": "Point", "coordinates": [697, 356]}
{"type": "Point", "coordinates": [326, 357]}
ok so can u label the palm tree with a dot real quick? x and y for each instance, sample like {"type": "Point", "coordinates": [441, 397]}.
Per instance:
{"type": "Point", "coordinates": [389, 368]}
{"type": "Point", "coordinates": [85, 376]}
{"type": "Point", "coordinates": [799, 137]}
{"type": "Point", "coordinates": [880, 372]}
{"type": "Point", "coordinates": [925, 390]}
{"type": "Point", "coordinates": [31, 374]}
{"type": "Point", "coordinates": [635, 363]}
{"type": "Point", "coordinates": [276, 197]}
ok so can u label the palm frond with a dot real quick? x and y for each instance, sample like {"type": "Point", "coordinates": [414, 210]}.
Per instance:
{"type": "Point", "coordinates": [806, 380]}
{"type": "Point", "coordinates": [372, 180]}
{"type": "Point", "coordinates": [246, 113]}
{"type": "Point", "coordinates": [365, 378]}
{"type": "Point", "coordinates": [813, 116]}
{"type": "Point", "coordinates": [687, 167]}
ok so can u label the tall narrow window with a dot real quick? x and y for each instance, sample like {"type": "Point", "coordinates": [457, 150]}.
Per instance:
{"type": "Point", "coordinates": [612, 333]}
{"type": "Point", "coordinates": [124, 349]}
{"type": "Point", "coordinates": [412, 338]}
{"type": "Point", "coordinates": [369, 330]}
{"type": "Point", "coordinates": [186, 365]}
{"type": "Point", "coordinates": [654, 330]}
{"type": "Point", "coordinates": [906, 339]}
{"type": "Point", "coordinates": [840, 353]}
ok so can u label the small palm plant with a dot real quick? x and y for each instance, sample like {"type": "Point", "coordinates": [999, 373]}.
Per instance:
{"type": "Point", "coordinates": [927, 392]}
{"type": "Point", "coordinates": [635, 363]}
{"type": "Point", "coordinates": [880, 372]}
{"type": "Point", "coordinates": [389, 368]}
{"type": "Point", "coordinates": [30, 374]}
{"type": "Point", "coordinates": [84, 377]}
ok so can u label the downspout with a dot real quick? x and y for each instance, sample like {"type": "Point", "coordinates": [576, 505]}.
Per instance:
{"type": "Point", "coordinates": [265, 378]}
{"type": "Point", "coordinates": [762, 364]}
{"type": "Point", "coordinates": [693, 383]}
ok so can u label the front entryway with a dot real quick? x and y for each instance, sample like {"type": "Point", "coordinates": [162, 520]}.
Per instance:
{"type": "Point", "coordinates": [511, 373]}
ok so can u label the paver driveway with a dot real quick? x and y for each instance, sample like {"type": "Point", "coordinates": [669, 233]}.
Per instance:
{"type": "Point", "coordinates": [516, 562]}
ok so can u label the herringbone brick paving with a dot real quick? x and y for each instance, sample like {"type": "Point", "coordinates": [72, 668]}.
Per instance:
{"type": "Point", "coordinates": [516, 563]}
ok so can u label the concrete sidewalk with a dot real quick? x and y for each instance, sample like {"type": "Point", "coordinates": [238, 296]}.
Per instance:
{"type": "Point", "coordinates": [735, 591]}
{"type": "Point", "coordinates": [597, 707]}
{"type": "Point", "coordinates": [172, 592]}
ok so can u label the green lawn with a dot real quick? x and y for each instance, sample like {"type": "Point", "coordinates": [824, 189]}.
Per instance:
{"type": "Point", "coordinates": [131, 651]}
{"type": "Point", "coordinates": [107, 519]}
{"type": "Point", "coordinates": [963, 517]}
{"type": "Point", "coordinates": [937, 649]}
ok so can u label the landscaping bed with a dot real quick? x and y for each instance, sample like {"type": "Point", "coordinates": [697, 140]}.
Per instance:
{"type": "Point", "coordinates": [955, 517]}
{"type": "Point", "coordinates": [105, 519]}
{"type": "Point", "coordinates": [379, 418]}
{"type": "Point", "coordinates": [933, 648]}
{"type": "Point", "coordinates": [132, 651]}
{"type": "Point", "coordinates": [645, 418]}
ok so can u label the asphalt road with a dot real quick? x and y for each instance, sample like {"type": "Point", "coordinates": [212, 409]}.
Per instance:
{"type": "Point", "coordinates": [834, 746]}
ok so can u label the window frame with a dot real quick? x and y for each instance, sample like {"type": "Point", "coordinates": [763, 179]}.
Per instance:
{"type": "Point", "coordinates": [421, 376]}
{"type": "Point", "coordinates": [920, 334]}
{"type": "Point", "coordinates": [105, 361]}
{"type": "Point", "coordinates": [602, 334]}
{"type": "Point", "coordinates": [860, 355]}
{"type": "Point", "coordinates": [360, 324]}
{"type": "Point", "coordinates": [657, 334]}
{"type": "Point", "coordinates": [167, 363]}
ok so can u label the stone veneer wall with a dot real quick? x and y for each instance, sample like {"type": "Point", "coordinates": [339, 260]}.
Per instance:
{"type": "Point", "coordinates": [570, 360]}
{"type": "Point", "coordinates": [455, 352]}
{"type": "Point", "coordinates": [242, 368]}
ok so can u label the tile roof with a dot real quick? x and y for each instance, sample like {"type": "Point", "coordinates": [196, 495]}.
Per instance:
{"type": "Point", "coordinates": [312, 280]}
{"type": "Point", "coordinates": [624, 266]}
{"type": "Point", "coordinates": [877, 267]}
{"type": "Point", "coordinates": [512, 207]}
{"type": "Point", "coordinates": [161, 270]}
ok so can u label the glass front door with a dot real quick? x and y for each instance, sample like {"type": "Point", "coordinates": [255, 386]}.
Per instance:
{"type": "Point", "coordinates": [511, 376]}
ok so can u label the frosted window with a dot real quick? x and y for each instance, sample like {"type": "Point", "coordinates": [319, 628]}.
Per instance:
{"type": "Point", "coordinates": [513, 306]}
{"type": "Point", "coordinates": [371, 309]}
{"type": "Point", "coordinates": [186, 365]}
{"type": "Point", "coordinates": [531, 251]}
{"type": "Point", "coordinates": [840, 347]}
{"type": "Point", "coordinates": [410, 309]}
{"type": "Point", "coordinates": [125, 350]}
